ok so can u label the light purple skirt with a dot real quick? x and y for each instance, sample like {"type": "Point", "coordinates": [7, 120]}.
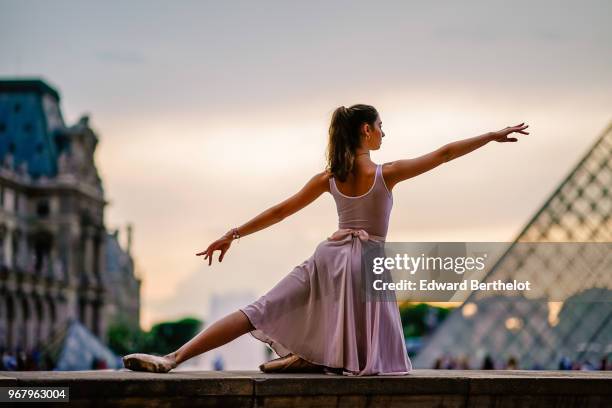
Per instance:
{"type": "Point", "coordinates": [319, 313]}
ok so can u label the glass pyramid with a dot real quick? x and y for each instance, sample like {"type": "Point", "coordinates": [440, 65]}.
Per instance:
{"type": "Point", "coordinates": [569, 319]}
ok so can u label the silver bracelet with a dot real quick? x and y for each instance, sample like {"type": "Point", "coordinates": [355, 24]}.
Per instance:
{"type": "Point", "coordinates": [235, 234]}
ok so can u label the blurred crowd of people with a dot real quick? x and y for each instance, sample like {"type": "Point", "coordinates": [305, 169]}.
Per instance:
{"type": "Point", "coordinates": [22, 360]}
{"type": "Point", "coordinates": [448, 362]}
{"type": "Point", "coordinates": [35, 360]}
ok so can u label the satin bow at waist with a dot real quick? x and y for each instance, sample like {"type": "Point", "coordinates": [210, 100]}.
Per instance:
{"type": "Point", "coordinates": [360, 233]}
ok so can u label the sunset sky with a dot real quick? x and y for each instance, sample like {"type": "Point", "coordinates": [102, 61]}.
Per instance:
{"type": "Point", "coordinates": [210, 112]}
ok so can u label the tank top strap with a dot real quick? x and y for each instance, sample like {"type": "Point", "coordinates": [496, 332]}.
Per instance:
{"type": "Point", "coordinates": [378, 179]}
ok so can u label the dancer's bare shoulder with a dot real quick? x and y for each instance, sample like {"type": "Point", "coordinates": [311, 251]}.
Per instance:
{"type": "Point", "coordinates": [317, 185]}
{"type": "Point", "coordinates": [323, 178]}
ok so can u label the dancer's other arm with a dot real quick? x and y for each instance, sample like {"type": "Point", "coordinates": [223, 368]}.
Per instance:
{"type": "Point", "coordinates": [310, 192]}
{"type": "Point", "coordinates": [401, 170]}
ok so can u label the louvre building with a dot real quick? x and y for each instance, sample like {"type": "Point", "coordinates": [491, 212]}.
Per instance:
{"type": "Point", "coordinates": [58, 263]}
{"type": "Point", "coordinates": [570, 318]}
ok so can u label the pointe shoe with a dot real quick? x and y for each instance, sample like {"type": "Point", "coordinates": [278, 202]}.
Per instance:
{"type": "Point", "coordinates": [148, 362]}
{"type": "Point", "coordinates": [290, 364]}
{"type": "Point", "coordinates": [275, 364]}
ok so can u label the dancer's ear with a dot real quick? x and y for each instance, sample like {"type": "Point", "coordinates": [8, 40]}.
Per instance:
{"type": "Point", "coordinates": [365, 130]}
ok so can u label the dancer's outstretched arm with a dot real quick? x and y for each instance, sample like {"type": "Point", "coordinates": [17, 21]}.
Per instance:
{"type": "Point", "coordinates": [316, 186]}
{"type": "Point", "coordinates": [401, 170]}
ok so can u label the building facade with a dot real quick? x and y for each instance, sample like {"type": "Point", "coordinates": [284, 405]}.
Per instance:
{"type": "Point", "coordinates": [57, 260]}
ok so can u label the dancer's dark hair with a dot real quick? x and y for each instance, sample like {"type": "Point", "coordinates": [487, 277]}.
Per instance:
{"type": "Point", "coordinates": [344, 137]}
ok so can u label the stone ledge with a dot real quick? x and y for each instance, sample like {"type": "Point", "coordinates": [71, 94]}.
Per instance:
{"type": "Point", "coordinates": [442, 388]}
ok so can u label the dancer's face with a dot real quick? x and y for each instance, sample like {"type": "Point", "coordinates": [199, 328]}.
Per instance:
{"type": "Point", "coordinates": [372, 135]}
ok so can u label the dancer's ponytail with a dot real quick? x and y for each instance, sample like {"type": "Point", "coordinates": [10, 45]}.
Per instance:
{"type": "Point", "coordinates": [344, 137]}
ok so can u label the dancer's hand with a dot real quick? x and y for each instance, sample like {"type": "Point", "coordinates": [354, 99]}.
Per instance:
{"type": "Point", "coordinates": [222, 244]}
{"type": "Point", "coordinates": [501, 136]}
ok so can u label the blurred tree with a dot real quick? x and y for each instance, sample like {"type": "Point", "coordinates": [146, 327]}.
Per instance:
{"type": "Point", "coordinates": [124, 339]}
{"type": "Point", "coordinates": [163, 337]}
{"type": "Point", "coordinates": [168, 336]}
{"type": "Point", "coordinates": [421, 319]}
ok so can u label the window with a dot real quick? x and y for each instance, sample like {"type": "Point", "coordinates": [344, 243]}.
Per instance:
{"type": "Point", "coordinates": [42, 208]}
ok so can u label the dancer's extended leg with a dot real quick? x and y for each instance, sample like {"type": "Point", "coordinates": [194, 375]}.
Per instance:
{"type": "Point", "coordinates": [219, 333]}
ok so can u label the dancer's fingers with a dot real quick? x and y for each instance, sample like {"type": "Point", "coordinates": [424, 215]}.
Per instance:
{"type": "Point", "coordinates": [212, 253]}
{"type": "Point", "coordinates": [204, 252]}
{"type": "Point", "coordinates": [520, 130]}
{"type": "Point", "coordinates": [223, 252]}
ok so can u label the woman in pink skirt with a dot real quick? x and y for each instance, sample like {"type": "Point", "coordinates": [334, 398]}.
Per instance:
{"type": "Point", "coordinates": [314, 318]}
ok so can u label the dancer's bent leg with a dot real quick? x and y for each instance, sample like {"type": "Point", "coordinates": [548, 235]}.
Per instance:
{"type": "Point", "coordinates": [219, 333]}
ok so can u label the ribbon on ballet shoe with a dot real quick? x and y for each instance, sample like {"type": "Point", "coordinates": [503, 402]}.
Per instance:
{"type": "Point", "coordinates": [345, 232]}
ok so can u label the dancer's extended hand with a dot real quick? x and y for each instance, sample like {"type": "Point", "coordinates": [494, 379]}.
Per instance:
{"type": "Point", "coordinates": [222, 244]}
{"type": "Point", "coordinates": [501, 136]}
